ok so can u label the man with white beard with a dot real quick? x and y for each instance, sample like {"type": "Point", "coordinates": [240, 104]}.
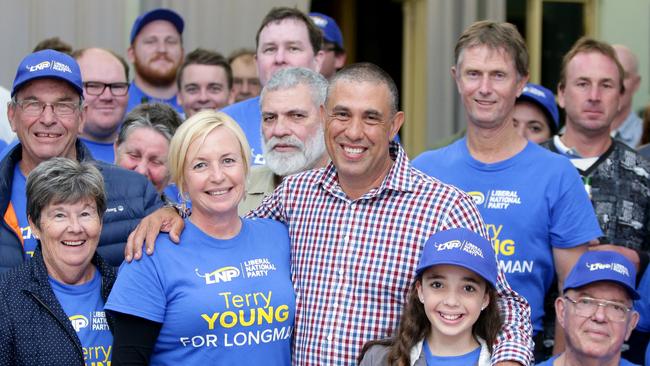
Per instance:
{"type": "Point", "coordinates": [292, 131]}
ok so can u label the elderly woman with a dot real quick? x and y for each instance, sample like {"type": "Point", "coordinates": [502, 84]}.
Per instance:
{"type": "Point", "coordinates": [143, 143]}
{"type": "Point", "coordinates": [224, 295]}
{"type": "Point", "coordinates": [52, 307]}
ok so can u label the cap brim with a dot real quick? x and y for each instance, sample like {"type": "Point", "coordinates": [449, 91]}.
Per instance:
{"type": "Point", "coordinates": [463, 264]}
{"type": "Point", "coordinates": [633, 294]}
{"type": "Point", "coordinates": [17, 87]}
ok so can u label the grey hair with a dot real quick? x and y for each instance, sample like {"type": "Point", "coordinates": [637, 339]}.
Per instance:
{"type": "Point", "coordinates": [159, 117]}
{"type": "Point", "coordinates": [294, 76]}
{"type": "Point", "coordinates": [368, 72]}
{"type": "Point", "coordinates": [62, 180]}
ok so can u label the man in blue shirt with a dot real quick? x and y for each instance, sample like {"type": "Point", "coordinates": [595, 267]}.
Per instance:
{"type": "Point", "coordinates": [46, 112]}
{"type": "Point", "coordinates": [156, 52]}
{"type": "Point", "coordinates": [534, 205]}
{"type": "Point", "coordinates": [105, 78]}
{"type": "Point", "coordinates": [287, 37]}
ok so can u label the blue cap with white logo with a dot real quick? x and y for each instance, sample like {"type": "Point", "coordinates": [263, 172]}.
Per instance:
{"type": "Point", "coordinates": [544, 98]}
{"type": "Point", "coordinates": [157, 14]}
{"type": "Point", "coordinates": [460, 247]}
{"type": "Point", "coordinates": [48, 64]}
{"type": "Point", "coordinates": [331, 30]}
{"type": "Point", "coordinates": [596, 265]}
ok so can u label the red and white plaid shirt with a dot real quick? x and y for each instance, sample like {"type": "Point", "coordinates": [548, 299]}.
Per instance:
{"type": "Point", "coordinates": [353, 261]}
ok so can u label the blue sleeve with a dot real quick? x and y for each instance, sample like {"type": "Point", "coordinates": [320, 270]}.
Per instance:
{"type": "Point", "coordinates": [140, 288]}
{"type": "Point", "coordinates": [573, 220]}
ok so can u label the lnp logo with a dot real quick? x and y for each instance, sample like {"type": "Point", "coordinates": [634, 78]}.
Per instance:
{"type": "Point", "coordinates": [43, 65]}
{"type": "Point", "coordinates": [616, 267]}
{"type": "Point", "coordinates": [223, 274]}
{"type": "Point", "coordinates": [449, 245]}
{"type": "Point", "coordinates": [477, 196]}
{"type": "Point", "coordinates": [78, 322]}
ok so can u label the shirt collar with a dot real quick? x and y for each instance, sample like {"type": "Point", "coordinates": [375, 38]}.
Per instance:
{"type": "Point", "coordinates": [398, 177]}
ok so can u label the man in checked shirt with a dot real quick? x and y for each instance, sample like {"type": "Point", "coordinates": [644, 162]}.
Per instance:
{"type": "Point", "coordinates": [357, 227]}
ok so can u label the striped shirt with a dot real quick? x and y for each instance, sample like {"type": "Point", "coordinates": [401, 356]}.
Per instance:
{"type": "Point", "coordinates": [353, 261]}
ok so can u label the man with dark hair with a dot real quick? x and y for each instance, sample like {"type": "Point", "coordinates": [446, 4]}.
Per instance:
{"type": "Point", "coordinates": [245, 82]}
{"type": "Point", "coordinates": [287, 37]}
{"type": "Point", "coordinates": [615, 176]}
{"type": "Point", "coordinates": [105, 78]}
{"type": "Point", "coordinates": [204, 81]}
{"type": "Point", "coordinates": [156, 52]}
{"type": "Point", "coordinates": [333, 51]}
{"type": "Point", "coordinates": [46, 112]}
{"type": "Point", "coordinates": [539, 220]}
{"type": "Point", "coordinates": [53, 43]}
{"type": "Point", "coordinates": [357, 228]}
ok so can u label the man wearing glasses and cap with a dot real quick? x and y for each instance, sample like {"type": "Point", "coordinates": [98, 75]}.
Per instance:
{"type": "Point", "coordinates": [595, 310]}
{"type": "Point", "coordinates": [334, 53]}
{"type": "Point", "coordinates": [46, 112]}
{"type": "Point", "coordinates": [105, 77]}
{"type": "Point", "coordinates": [156, 52]}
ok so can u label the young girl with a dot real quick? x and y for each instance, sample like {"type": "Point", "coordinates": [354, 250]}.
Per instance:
{"type": "Point", "coordinates": [451, 315]}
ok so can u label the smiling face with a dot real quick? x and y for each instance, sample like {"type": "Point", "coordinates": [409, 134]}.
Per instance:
{"type": "Point", "coordinates": [282, 44]}
{"type": "Point", "coordinates": [591, 94]}
{"type": "Point", "coordinates": [214, 176]}
{"type": "Point", "coordinates": [46, 135]}
{"type": "Point", "coordinates": [531, 122]}
{"type": "Point", "coordinates": [157, 52]}
{"type": "Point", "coordinates": [595, 336]}
{"type": "Point", "coordinates": [489, 84]}
{"type": "Point", "coordinates": [203, 87]}
{"type": "Point", "coordinates": [359, 126]}
{"type": "Point", "coordinates": [145, 151]}
{"type": "Point", "coordinates": [69, 233]}
{"type": "Point", "coordinates": [105, 111]}
{"type": "Point", "coordinates": [453, 298]}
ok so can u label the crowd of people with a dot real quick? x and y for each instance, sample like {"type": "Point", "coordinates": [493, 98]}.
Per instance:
{"type": "Point", "coordinates": [261, 209]}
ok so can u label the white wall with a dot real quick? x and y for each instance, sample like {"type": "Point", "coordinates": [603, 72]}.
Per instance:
{"type": "Point", "coordinates": [628, 22]}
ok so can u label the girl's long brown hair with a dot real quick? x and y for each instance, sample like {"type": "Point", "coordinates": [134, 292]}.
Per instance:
{"type": "Point", "coordinates": [414, 326]}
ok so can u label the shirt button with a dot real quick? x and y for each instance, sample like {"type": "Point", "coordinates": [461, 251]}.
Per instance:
{"type": "Point", "coordinates": [341, 272]}
{"type": "Point", "coordinates": [329, 338]}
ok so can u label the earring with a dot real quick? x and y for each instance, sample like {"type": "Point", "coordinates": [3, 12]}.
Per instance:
{"type": "Point", "coordinates": [422, 299]}
{"type": "Point", "coordinates": [483, 307]}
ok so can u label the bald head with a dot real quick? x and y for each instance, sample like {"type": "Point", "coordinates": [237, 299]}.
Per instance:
{"type": "Point", "coordinates": [631, 81]}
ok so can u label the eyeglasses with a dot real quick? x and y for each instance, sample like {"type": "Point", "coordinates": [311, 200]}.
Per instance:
{"type": "Point", "coordinates": [586, 307]}
{"type": "Point", "coordinates": [97, 88]}
{"type": "Point", "coordinates": [34, 108]}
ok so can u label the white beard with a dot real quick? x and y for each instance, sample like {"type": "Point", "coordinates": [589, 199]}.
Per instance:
{"type": "Point", "coordinates": [308, 154]}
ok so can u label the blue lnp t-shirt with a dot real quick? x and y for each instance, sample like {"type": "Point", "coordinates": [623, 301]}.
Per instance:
{"type": "Point", "coordinates": [468, 359]}
{"type": "Point", "coordinates": [19, 202]}
{"type": "Point", "coordinates": [220, 302]}
{"type": "Point", "coordinates": [531, 203]}
{"type": "Point", "coordinates": [137, 96]}
{"type": "Point", "coordinates": [248, 115]}
{"type": "Point", "coordinates": [100, 150]}
{"type": "Point", "coordinates": [550, 361]}
{"type": "Point", "coordinates": [84, 306]}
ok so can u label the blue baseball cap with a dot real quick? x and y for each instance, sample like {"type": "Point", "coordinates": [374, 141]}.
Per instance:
{"type": "Point", "coordinates": [331, 30]}
{"type": "Point", "coordinates": [157, 14]}
{"type": "Point", "coordinates": [544, 98]}
{"type": "Point", "coordinates": [596, 265]}
{"type": "Point", "coordinates": [460, 247]}
{"type": "Point", "coordinates": [48, 64]}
